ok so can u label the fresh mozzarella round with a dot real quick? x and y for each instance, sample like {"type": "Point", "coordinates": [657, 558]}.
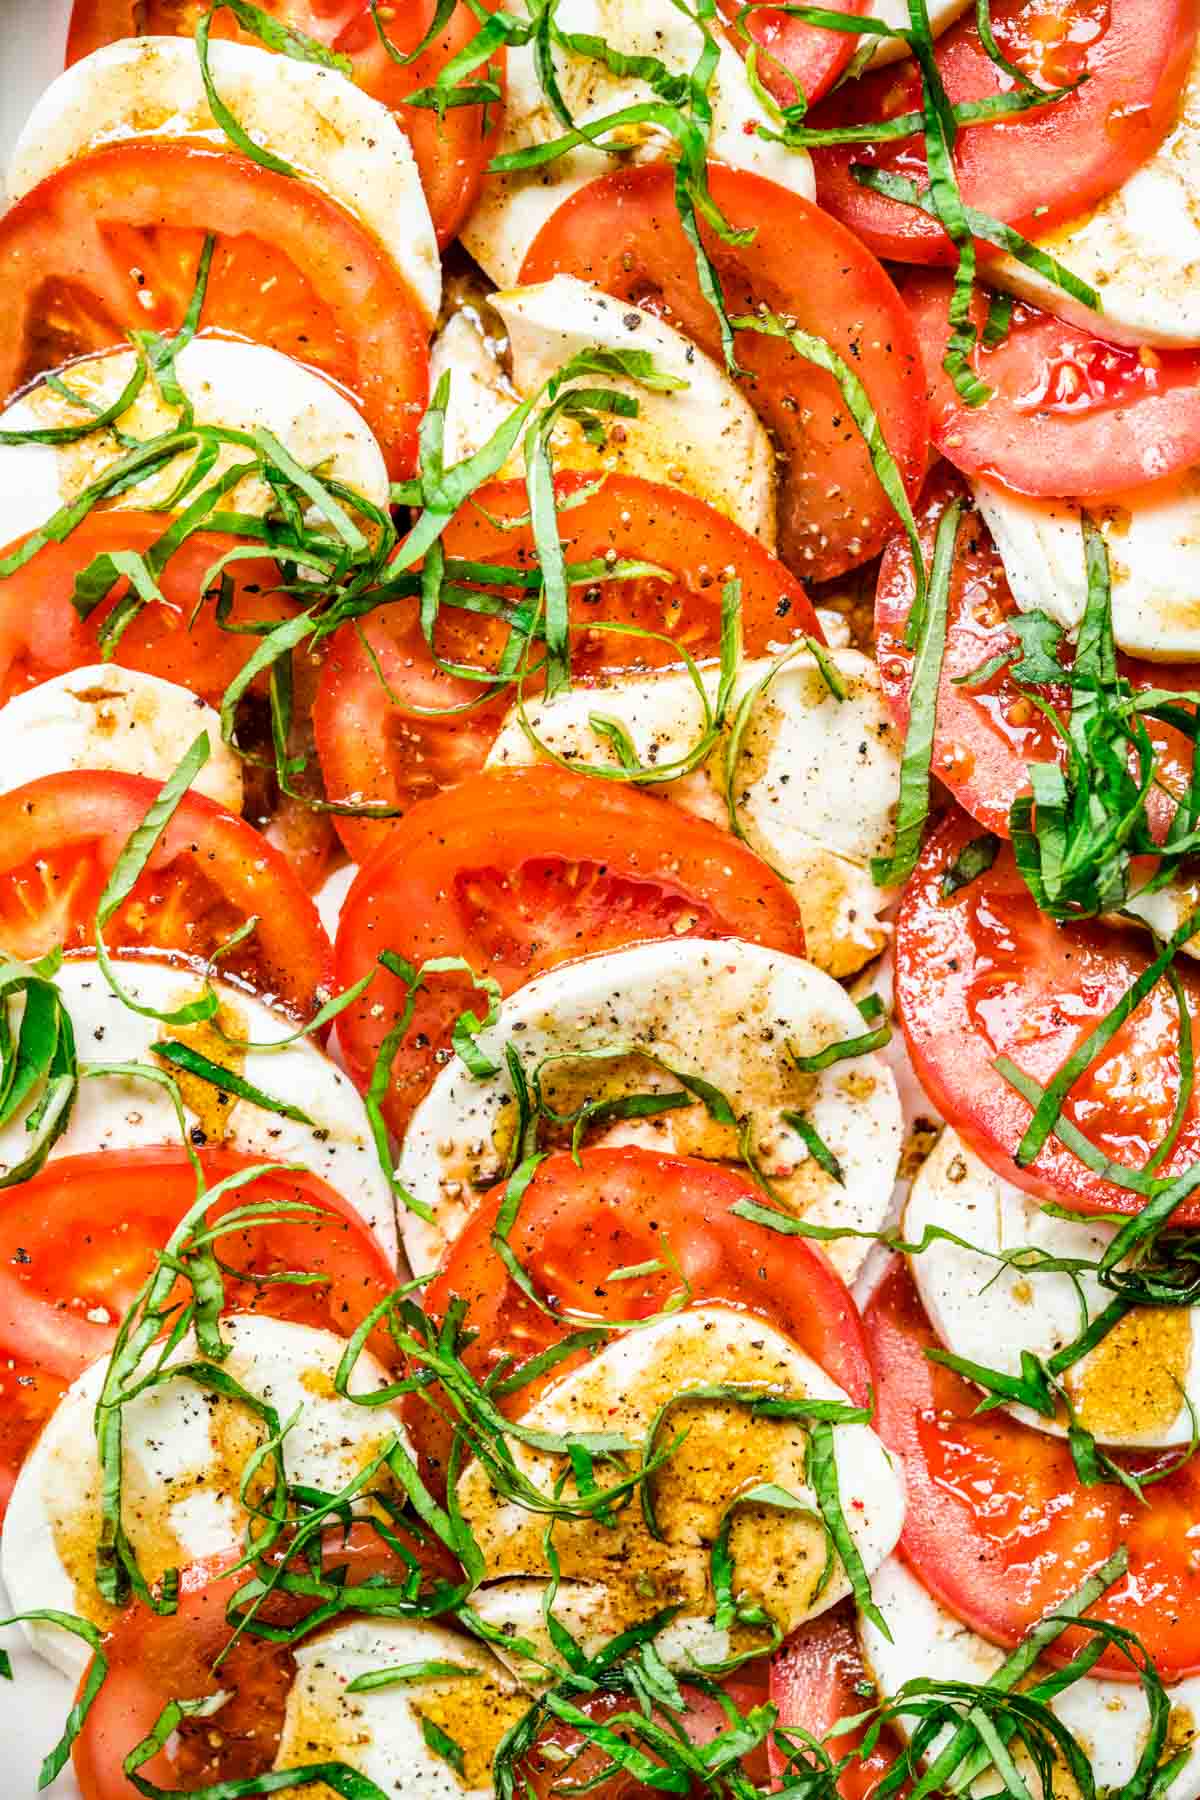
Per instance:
{"type": "Point", "coordinates": [815, 783]}
{"type": "Point", "coordinates": [106, 717]}
{"type": "Point", "coordinates": [1138, 247]}
{"type": "Point", "coordinates": [1109, 1719]}
{"type": "Point", "coordinates": [243, 387]}
{"type": "Point", "coordinates": [382, 1732]}
{"type": "Point", "coordinates": [593, 1613]}
{"type": "Point", "coordinates": [921, 1119]}
{"type": "Point", "coordinates": [314, 118]}
{"type": "Point", "coordinates": [779, 1554]}
{"type": "Point", "coordinates": [330, 897]}
{"type": "Point", "coordinates": [1153, 539]}
{"type": "Point", "coordinates": [895, 13]}
{"type": "Point", "coordinates": [481, 395]}
{"type": "Point", "coordinates": [513, 207]}
{"type": "Point", "coordinates": [126, 1112]}
{"type": "Point", "coordinates": [184, 1449]}
{"type": "Point", "coordinates": [727, 1012]}
{"type": "Point", "coordinates": [1131, 1390]}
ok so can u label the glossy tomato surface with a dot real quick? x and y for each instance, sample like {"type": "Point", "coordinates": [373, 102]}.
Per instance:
{"type": "Point", "coordinates": [793, 59]}
{"type": "Point", "coordinates": [819, 1678]}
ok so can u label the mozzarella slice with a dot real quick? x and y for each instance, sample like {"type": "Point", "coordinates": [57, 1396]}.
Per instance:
{"type": "Point", "coordinates": [1130, 1390]}
{"type": "Point", "coordinates": [593, 1613]}
{"type": "Point", "coordinates": [125, 1112]}
{"type": "Point", "coordinates": [1138, 247]}
{"type": "Point", "coordinates": [244, 387]}
{"type": "Point", "coordinates": [941, 13]}
{"type": "Point", "coordinates": [106, 717]}
{"type": "Point", "coordinates": [779, 1555]}
{"type": "Point", "coordinates": [513, 207]}
{"type": "Point", "coordinates": [184, 1450]}
{"type": "Point", "coordinates": [726, 1012]}
{"type": "Point", "coordinates": [481, 395]}
{"type": "Point", "coordinates": [1110, 1719]}
{"type": "Point", "coordinates": [314, 118]}
{"type": "Point", "coordinates": [381, 1732]}
{"type": "Point", "coordinates": [815, 784]}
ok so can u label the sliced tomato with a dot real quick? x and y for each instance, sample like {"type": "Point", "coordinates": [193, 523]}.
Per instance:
{"type": "Point", "coordinates": [451, 153]}
{"type": "Point", "coordinates": [624, 233]}
{"type": "Point", "coordinates": [28, 1395]}
{"type": "Point", "coordinates": [372, 750]}
{"type": "Point", "coordinates": [988, 733]}
{"type": "Point", "coordinates": [520, 869]}
{"type": "Point", "coordinates": [818, 1679]}
{"type": "Point", "coordinates": [794, 60]}
{"type": "Point", "coordinates": [41, 634]}
{"type": "Point", "coordinates": [61, 837]}
{"type": "Point", "coordinates": [985, 974]}
{"type": "Point", "coordinates": [112, 241]}
{"type": "Point", "coordinates": [998, 1525]}
{"type": "Point", "coordinates": [1069, 413]}
{"type": "Point", "coordinates": [1034, 169]}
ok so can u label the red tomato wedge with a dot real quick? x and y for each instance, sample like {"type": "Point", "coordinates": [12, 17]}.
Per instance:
{"type": "Point", "coordinates": [291, 269]}
{"type": "Point", "coordinates": [41, 634]}
{"type": "Point", "coordinates": [819, 1678]}
{"type": "Point", "coordinates": [623, 232]}
{"type": "Point", "coordinates": [999, 1528]}
{"type": "Point", "coordinates": [794, 60]}
{"type": "Point", "coordinates": [1034, 169]}
{"type": "Point", "coordinates": [1069, 412]}
{"type": "Point", "coordinates": [78, 1240]}
{"type": "Point", "coordinates": [520, 869]}
{"type": "Point", "coordinates": [451, 153]}
{"type": "Point", "coordinates": [985, 974]}
{"type": "Point", "coordinates": [61, 837]}
{"type": "Point", "coordinates": [986, 735]}
{"type": "Point", "coordinates": [371, 749]}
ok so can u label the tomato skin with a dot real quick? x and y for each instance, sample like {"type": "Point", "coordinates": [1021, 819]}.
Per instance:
{"type": "Point", "coordinates": [999, 1528]}
{"type": "Point", "coordinates": [520, 869]}
{"type": "Point", "coordinates": [1070, 413]}
{"type": "Point", "coordinates": [987, 733]}
{"type": "Point", "coordinates": [61, 836]}
{"type": "Point", "coordinates": [336, 302]}
{"type": "Point", "coordinates": [811, 59]}
{"type": "Point", "coordinates": [985, 974]}
{"type": "Point", "coordinates": [817, 1679]}
{"type": "Point", "coordinates": [28, 1395]}
{"type": "Point", "coordinates": [41, 634]}
{"type": "Point", "coordinates": [371, 749]}
{"type": "Point", "coordinates": [623, 232]}
{"type": "Point", "coordinates": [1041, 167]}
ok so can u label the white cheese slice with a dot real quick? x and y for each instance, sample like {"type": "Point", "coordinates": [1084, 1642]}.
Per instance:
{"type": "Point", "coordinates": [942, 13]}
{"type": "Point", "coordinates": [316, 119]}
{"type": "Point", "coordinates": [243, 387]}
{"type": "Point", "coordinates": [1130, 1391]}
{"type": "Point", "coordinates": [1110, 1719]}
{"type": "Point", "coordinates": [779, 1554]}
{"type": "Point", "coordinates": [124, 1112]}
{"type": "Point", "coordinates": [184, 1450]}
{"type": "Point", "coordinates": [816, 781]}
{"type": "Point", "coordinates": [724, 1011]}
{"type": "Point", "coordinates": [106, 717]}
{"type": "Point", "coordinates": [381, 1732]}
{"type": "Point", "coordinates": [513, 207]}
{"type": "Point", "coordinates": [593, 1613]}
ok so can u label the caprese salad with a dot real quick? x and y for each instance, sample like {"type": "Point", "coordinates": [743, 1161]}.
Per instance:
{"type": "Point", "coordinates": [599, 894]}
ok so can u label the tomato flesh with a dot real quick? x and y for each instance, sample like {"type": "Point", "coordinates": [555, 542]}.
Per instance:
{"type": "Point", "coordinates": [112, 242]}
{"type": "Point", "coordinates": [520, 869]}
{"type": "Point", "coordinates": [985, 974]}
{"type": "Point", "coordinates": [1035, 169]}
{"type": "Point", "coordinates": [1000, 1529]}
{"type": "Point", "coordinates": [373, 750]}
{"type": "Point", "coordinates": [819, 1678]}
{"type": "Point", "coordinates": [624, 233]}
{"type": "Point", "coordinates": [794, 59]}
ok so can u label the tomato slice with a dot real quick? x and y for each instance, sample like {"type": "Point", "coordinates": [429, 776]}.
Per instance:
{"type": "Point", "coordinates": [41, 634]}
{"type": "Point", "coordinates": [620, 1208]}
{"type": "Point", "coordinates": [999, 1527]}
{"type": "Point", "coordinates": [111, 242]}
{"type": "Point", "coordinates": [986, 735]}
{"type": "Point", "coordinates": [794, 59]}
{"type": "Point", "coordinates": [520, 869]}
{"type": "Point", "coordinates": [1034, 169]}
{"type": "Point", "coordinates": [819, 1678]}
{"type": "Point", "coordinates": [60, 838]}
{"type": "Point", "coordinates": [985, 974]}
{"type": "Point", "coordinates": [1069, 412]}
{"type": "Point", "coordinates": [624, 233]}
{"type": "Point", "coordinates": [373, 750]}
{"type": "Point", "coordinates": [452, 153]}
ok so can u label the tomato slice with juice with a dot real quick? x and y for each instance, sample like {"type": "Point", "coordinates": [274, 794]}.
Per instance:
{"type": "Point", "coordinates": [819, 1678]}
